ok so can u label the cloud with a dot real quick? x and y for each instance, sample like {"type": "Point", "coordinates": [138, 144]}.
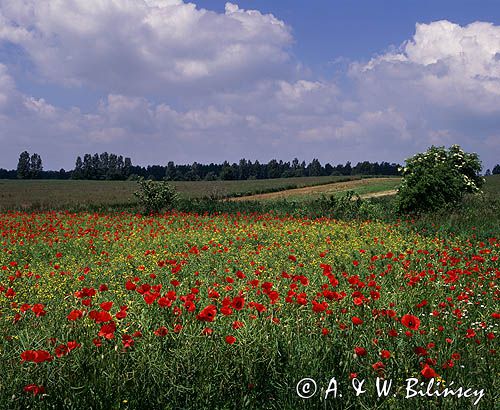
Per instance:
{"type": "Point", "coordinates": [441, 87]}
{"type": "Point", "coordinates": [445, 82]}
{"type": "Point", "coordinates": [146, 46]}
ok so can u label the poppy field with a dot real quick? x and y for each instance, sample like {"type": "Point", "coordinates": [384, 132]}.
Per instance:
{"type": "Point", "coordinates": [186, 310]}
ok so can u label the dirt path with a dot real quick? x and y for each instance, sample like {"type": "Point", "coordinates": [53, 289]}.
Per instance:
{"type": "Point", "coordinates": [379, 194]}
{"type": "Point", "coordinates": [328, 188]}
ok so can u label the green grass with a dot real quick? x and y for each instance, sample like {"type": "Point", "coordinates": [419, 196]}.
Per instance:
{"type": "Point", "coordinates": [368, 188]}
{"type": "Point", "coordinates": [75, 195]}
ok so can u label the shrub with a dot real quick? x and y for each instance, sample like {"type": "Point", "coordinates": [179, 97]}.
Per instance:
{"type": "Point", "coordinates": [156, 195]}
{"type": "Point", "coordinates": [437, 178]}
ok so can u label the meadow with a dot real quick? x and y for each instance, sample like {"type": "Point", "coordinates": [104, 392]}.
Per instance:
{"type": "Point", "coordinates": [232, 309]}
{"type": "Point", "coordinates": [85, 194]}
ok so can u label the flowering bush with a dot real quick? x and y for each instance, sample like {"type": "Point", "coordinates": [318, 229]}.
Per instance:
{"type": "Point", "coordinates": [438, 177]}
{"type": "Point", "coordinates": [155, 196]}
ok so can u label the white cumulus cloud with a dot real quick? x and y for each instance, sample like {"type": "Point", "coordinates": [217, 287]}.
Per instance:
{"type": "Point", "coordinates": [146, 46]}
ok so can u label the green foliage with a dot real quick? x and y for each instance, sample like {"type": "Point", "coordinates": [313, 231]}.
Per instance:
{"type": "Point", "coordinates": [348, 205]}
{"type": "Point", "coordinates": [156, 195]}
{"type": "Point", "coordinates": [437, 178]}
{"type": "Point", "coordinates": [29, 167]}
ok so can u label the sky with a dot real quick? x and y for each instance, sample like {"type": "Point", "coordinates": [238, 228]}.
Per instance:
{"type": "Point", "coordinates": [208, 81]}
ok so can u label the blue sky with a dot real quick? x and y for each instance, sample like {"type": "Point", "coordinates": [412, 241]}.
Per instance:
{"type": "Point", "coordinates": [357, 29]}
{"type": "Point", "coordinates": [162, 80]}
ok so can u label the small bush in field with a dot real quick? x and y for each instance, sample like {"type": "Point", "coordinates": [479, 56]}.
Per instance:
{"type": "Point", "coordinates": [156, 195]}
{"type": "Point", "coordinates": [438, 177]}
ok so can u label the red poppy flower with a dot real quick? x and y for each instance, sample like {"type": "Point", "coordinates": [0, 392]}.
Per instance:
{"type": "Point", "coordinates": [38, 309]}
{"type": "Point", "coordinates": [230, 339]}
{"type": "Point", "coordinates": [61, 350]}
{"type": "Point", "coordinates": [127, 341]}
{"type": "Point", "coordinates": [360, 351]}
{"type": "Point", "coordinates": [108, 330]}
{"type": "Point", "coordinates": [207, 314]}
{"type": "Point", "coordinates": [470, 334]}
{"type": "Point", "coordinates": [33, 388]}
{"type": "Point", "coordinates": [106, 306]}
{"type": "Point", "coordinates": [36, 356]}
{"type": "Point", "coordinates": [237, 325]}
{"type": "Point", "coordinates": [428, 372]}
{"type": "Point", "coordinates": [411, 322]}
{"type": "Point", "coordinates": [122, 314]}
{"type": "Point", "coordinates": [100, 316]}
{"type": "Point", "coordinates": [164, 302]}
{"type": "Point", "coordinates": [161, 331]}
{"type": "Point", "coordinates": [238, 302]}
{"type": "Point", "coordinates": [356, 320]}
{"type": "Point", "coordinates": [75, 314]}
{"type": "Point", "coordinates": [72, 345]}
{"type": "Point", "coordinates": [129, 285]}
{"type": "Point", "coordinates": [28, 356]}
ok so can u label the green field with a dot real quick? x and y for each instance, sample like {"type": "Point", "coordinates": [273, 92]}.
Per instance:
{"type": "Point", "coordinates": [61, 194]}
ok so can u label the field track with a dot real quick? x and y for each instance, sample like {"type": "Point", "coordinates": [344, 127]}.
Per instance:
{"type": "Point", "coordinates": [324, 189]}
{"type": "Point", "coordinates": [379, 194]}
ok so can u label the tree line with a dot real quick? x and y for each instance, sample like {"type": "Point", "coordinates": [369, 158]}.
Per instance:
{"type": "Point", "coordinates": [110, 166]}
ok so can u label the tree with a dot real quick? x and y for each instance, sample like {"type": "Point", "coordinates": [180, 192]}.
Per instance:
{"type": "Point", "coordinates": [314, 168]}
{"type": "Point", "coordinates": [23, 165]}
{"type": "Point", "coordinates": [227, 172]}
{"type": "Point", "coordinates": [78, 171]}
{"type": "Point", "coordinates": [127, 167]}
{"type": "Point", "coordinates": [36, 167]}
{"type": "Point", "coordinates": [171, 172]}
{"type": "Point", "coordinates": [438, 177]}
{"type": "Point", "coordinates": [496, 170]}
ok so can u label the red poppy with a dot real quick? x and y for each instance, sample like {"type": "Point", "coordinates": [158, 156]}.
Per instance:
{"type": "Point", "coordinates": [360, 351]}
{"type": "Point", "coordinates": [61, 350]}
{"type": "Point", "coordinates": [230, 339]}
{"type": "Point", "coordinates": [356, 320]}
{"type": "Point", "coordinates": [470, 334]}
{"type": "Point", "coordinates": [38, 309]}
{"type": "Point", "coordinates": [428, 372]}
{"type": "Point", "coordinates": [100, 316]}
{"type": "Point", "coordinates": [207, 314]}
{"type": "Point", "coordinates": [28, 356]}
{"type": "Point", "coordinates": [127, 341]}
{"type": "Point", "coordinates": [237, 325]}
{"type": "Point", "coordinates": [75, 314]}
{"type": "Point", "coordinates": [106, 306]}
{"type": "Point", "coordinates": [33, 388]}
{"type": "Point", "coordinates": [161, 331]}
{"type": "Point", "coordinates": [238, 302]}
{"type": "Point", "coordinates": [164, 302]}
{"type": "Point", "coordinates": [108, 330]}
{"type": "Point", "coordinates": [411, 322]}
{"type": "Point", "coordinates": [72, 345]}
{"type": "Point", "coordinates": [36, 356]}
